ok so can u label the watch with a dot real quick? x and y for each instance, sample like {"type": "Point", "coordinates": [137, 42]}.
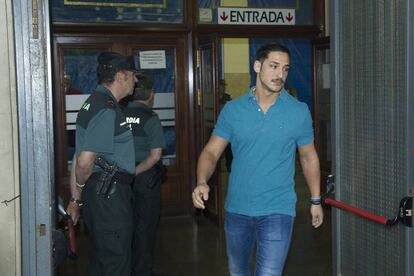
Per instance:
{"type": "Point", "coordinates": [77, 201]}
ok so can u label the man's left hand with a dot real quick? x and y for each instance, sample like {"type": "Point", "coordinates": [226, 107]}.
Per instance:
{"type": "Point", "coordinates": [73, 211]}
{"type": "Point", "coordinates": [317, 215]}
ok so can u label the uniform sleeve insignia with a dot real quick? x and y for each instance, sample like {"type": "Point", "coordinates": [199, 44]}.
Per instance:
{"type": "Point", "coordinates": [110, 103]}
{"type": "Point", "coordinates": [86, 106]}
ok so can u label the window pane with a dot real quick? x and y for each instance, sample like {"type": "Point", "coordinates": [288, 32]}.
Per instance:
{"type": "Point", "coordinates": [79, 81]}
{"type": "Point", "coordinates": [160, 65]}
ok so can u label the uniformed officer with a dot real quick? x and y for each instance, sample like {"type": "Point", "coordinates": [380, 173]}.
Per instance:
{"type": "Point", "coordinates": [149, 141]}
{"type": "Point", "coordinates": [103, 168]}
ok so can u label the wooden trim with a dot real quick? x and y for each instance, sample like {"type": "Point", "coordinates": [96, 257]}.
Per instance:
{"type": "Point", "coordinates": [318, 44]}
{"type": "Point", "coordinates": [261, 31]}
{"type": "Point", "coordinates": [228, 31]}
{"type": "Point", "coordinates": [319, 14]}
{"type": "Point", "coordinates": [108, 29]}
{"type": "Point", "coordinates": [191, 114]}
{"type": "Point", "coordinates": [60, 115]}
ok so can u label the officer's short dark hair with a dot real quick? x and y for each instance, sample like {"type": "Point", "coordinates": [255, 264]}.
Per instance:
{"type": "Point", "coordinates": [110, 63]}
{"type": "Point", "coordinates": [263, 52]}
{"type": "Point", "coordinates": [143, 88]}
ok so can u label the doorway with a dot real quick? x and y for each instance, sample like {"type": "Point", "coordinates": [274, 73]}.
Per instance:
{"type": "Point", "coordinates": [75, 79]}
{"type": "Point", "coordinates": [230, 58]}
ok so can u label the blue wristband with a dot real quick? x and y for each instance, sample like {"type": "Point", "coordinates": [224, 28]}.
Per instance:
{"type": "Point", "coordinates": [316, 201]}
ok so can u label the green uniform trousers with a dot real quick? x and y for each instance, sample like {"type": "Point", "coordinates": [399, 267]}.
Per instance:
{"type": "Point", "coordinates": [147, 206]}
{"type": "Point", "coordinates": [110, 225]}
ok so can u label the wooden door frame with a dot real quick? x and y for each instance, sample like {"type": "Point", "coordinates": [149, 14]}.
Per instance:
{"type": "Point", "coordinates": [200, 41]}
{"type": "Point", "coordinates": [318, 44]}
{"type": "Point", "coordinates": [183, 123]}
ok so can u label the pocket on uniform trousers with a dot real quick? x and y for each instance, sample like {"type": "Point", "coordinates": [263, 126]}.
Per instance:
{"type": "Point", "coordinates": [113, 242]}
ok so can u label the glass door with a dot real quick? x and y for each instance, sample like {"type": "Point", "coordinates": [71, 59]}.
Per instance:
{"type": "Point", "coordinates": [207, 102]}
{"type": "Point", "coordinates": [160, 61]}
{"type": "Point", "coordinates": [322, 105]}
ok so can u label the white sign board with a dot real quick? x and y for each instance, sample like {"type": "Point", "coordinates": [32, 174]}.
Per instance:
{"type": "Point", "coordinates": [247, 16]}
{"type": "Point", "coordinates": [205, 15]}
{"type": "Point", "coordinates": [152, 59]}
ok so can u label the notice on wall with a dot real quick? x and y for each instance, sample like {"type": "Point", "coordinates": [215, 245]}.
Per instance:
{"type": "Point", "coordinates": [248, 16]}
{"type": "Point", "coordinates": [152, 59]}
{"type": "Point", "coordinates": [205, 15]}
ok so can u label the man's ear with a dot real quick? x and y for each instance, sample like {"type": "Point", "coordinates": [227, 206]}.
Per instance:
{"type": "Point", "coordinates": [117, 76]}
{"type": "Point", "coordinates": [150, 101]}
{"type": "Point", "coordinates": [257, 66]}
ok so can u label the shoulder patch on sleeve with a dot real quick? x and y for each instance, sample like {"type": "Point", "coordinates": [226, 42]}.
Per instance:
{"type": "Point", "coordinates": [110, 103]}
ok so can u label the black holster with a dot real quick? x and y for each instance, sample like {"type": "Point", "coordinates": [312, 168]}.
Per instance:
{"type": "Point", "coordinates": [106, 184]}
{"type": "Point", "coordinates": [154, 175]}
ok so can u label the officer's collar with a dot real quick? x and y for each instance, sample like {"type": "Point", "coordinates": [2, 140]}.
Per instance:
{"type": "Point", "coordinates": [104, 90]}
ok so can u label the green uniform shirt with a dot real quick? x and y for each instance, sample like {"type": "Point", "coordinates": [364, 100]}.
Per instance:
{"type": "Point", "coordinates": [101, 127]}
{"type": "Point", "coordinates": [146, 128]}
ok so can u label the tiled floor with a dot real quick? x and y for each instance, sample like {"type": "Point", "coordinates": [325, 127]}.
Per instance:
{"type": "Point", "coordinates": [189, 246]}
{"type": "Point", "coordinates": [196, 247]}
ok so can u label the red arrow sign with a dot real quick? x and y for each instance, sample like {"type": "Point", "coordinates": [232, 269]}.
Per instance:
{"type": "Point", "coordinates": [289, 17]}
{"type": "Point", "coordinates": [223, 16]}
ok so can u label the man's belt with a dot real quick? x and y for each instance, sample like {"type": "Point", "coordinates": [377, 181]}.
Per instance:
{"type": "Point", "coordinates": [119, 177]}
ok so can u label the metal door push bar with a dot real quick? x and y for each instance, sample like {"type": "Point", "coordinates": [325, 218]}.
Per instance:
{"type": "Point", "coordinates": [404, 214]}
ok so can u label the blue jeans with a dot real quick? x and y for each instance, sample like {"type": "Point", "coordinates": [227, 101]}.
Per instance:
{"type": "Point", "coordinates": [271, 234]}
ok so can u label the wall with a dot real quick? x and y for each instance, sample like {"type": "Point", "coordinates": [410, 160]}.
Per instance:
{"type": "Point", "coordinates": [236, 58]}
{"type": "Point", "coordinates": [236, 65]}
{"type": "Point", "coordinates": [9, 188]}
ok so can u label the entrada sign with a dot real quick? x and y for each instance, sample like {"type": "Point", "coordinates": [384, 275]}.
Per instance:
{"type": "Point", "coordinates": [247, 16]}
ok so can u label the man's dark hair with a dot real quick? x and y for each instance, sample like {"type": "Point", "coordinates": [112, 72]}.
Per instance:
{"type": "Point", "coordinates": [105, 75]}
{"type": "Point", "coordinates": [110, 63]}
{"type": "Point", "coordinates": [143, 88]}
{"type": "Point", "coordinates": [263, 52]}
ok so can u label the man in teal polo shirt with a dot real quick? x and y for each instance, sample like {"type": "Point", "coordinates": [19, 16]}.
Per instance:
{"type": "Point", "coordinates": [103, 168]}
{"type": "Point", "coordinates": [264, 127]}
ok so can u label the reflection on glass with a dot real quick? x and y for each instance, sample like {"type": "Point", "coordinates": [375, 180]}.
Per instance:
{"type": "Point", "coordinates": [207, 91]}
{"type": "Point", "coordinates": [80, 70]}
{"type": "Point", "coordinates": [79, 80]}
{"type": "Point", "coordinates": [160, 65]}
{"type": "Point", "coordinates": [324, 106]}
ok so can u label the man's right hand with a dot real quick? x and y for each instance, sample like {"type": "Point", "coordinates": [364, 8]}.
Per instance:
{"type": "Point", "coordinates": [200, 194]}
{"type": "Point", "coordinates": [73, 211]}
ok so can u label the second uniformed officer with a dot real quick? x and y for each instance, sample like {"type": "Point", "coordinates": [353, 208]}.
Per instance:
{"type": "Point", "coordinates": [149, 141]}
{"type": "Point", "coordinates": [103, 168]}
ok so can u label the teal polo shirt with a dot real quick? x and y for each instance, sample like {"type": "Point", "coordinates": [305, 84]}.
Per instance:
{"type": "Point", "coordinates": [264, 147]}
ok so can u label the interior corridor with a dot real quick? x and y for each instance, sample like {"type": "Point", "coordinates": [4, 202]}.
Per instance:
{"type": "Point", "coordinates": [188, 246]}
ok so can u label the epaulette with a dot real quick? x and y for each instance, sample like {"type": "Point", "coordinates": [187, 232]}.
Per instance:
{"type": "Point", "coordinates": [103, 100]}
{"type": "Point", "coordinates": [110, 103]}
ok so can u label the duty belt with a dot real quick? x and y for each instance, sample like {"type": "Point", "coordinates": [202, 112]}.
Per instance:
{"type": "Point", "coordinates": [119, 177]}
